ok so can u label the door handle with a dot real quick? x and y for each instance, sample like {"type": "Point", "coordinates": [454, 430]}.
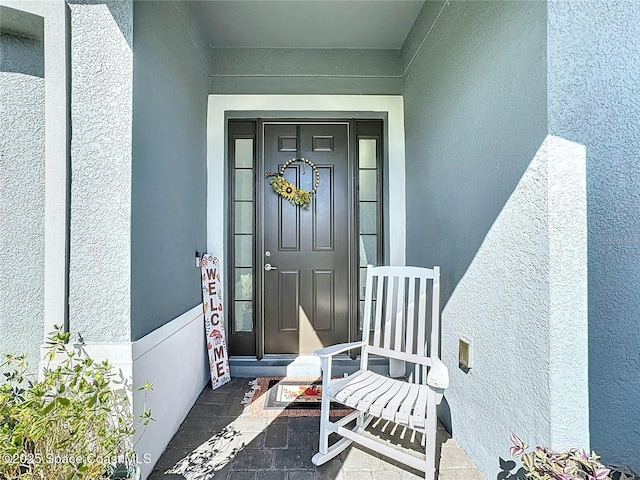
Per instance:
{"type": "Point", "coordinates": [268, 266]}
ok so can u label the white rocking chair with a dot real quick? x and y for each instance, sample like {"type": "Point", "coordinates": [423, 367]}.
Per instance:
{"type": "Point", "coordinates": [395, 311]}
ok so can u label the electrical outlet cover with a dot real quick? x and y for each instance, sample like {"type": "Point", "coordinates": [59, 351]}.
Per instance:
{"type": "Point", "coordinates": [464, 355]}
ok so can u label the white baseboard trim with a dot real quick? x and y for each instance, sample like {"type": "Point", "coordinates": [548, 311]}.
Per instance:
{"type": "Point", "coordinates": [174, 359]}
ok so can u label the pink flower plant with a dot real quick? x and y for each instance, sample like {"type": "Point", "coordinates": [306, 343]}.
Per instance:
{"type": "Point", "coordinates": [542, 463]}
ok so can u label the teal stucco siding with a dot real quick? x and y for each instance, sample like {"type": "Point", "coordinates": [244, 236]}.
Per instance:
{"type": "Point", "coordinates": [168, 202]}
{"type": "Point", "coordinates": [594, 53]}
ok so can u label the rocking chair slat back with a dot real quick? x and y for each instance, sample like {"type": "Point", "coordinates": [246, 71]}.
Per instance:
{"type": "Point", "coordinates": [409, 334]}
{"type": "Point", "coordinates": [404, 327]}
{"type": "Point", "coordinates": [378, 317]}
{"type": "Point", "coordinates": [399, 317]}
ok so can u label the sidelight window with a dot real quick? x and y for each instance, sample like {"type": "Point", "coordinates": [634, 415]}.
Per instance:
{"type": "Point", "coordinates": [243, 207]}
{"type": "Point", "coordinates": [369, 211]}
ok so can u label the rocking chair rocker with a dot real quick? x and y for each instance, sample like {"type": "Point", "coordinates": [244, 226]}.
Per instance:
{"type": "Point", "coordinates": [395, 312]}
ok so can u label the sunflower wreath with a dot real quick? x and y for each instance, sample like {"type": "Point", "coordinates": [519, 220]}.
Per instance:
{"type": "Point", "coordinates": [295, 195]}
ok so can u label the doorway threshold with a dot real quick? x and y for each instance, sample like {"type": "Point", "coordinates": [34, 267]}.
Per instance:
{"type": "Point", "coordinates": [297, 366]}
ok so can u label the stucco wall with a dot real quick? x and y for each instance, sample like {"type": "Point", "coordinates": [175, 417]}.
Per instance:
{"type": "Point", "coordinates": [100, 224]}
{"type": "Point", "coordinates": [168, 211]}
{"type": "Point", "coordinates": [475, 114]}
{"type": "Point", "coordinates": [21, 195]}
{"type": "Point", "coordinates": [594, 53]}
{"type": "Point", "coordinates": [305, 71]}
{"type": "Point", "coordinates": [523, 291]}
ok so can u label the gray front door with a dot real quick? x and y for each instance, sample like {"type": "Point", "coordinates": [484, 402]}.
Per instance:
{"type": "Point", "coordinates": [306, 296]}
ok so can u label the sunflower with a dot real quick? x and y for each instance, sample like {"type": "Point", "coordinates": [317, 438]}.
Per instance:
{"type": "Point", "coordinates": [288, 190]}
{"type": "Point", "coordinates": [295, 196]}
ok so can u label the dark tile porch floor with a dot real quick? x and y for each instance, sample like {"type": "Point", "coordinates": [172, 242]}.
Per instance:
{"type": "Point", "coordinates": [217, 441]}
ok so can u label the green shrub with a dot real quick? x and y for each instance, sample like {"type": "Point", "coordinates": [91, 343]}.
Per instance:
{"type": "Point", "coordinates": [74, 423]}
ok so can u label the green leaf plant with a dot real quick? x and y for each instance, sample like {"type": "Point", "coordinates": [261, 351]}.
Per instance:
{"type": "Point", "coordinates": [75, 422]}
{"type": "Point", "coordinates": [542, 463]}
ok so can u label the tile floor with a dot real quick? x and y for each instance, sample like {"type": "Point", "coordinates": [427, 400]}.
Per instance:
{"type": "Point", "coordinates": [217, 441]}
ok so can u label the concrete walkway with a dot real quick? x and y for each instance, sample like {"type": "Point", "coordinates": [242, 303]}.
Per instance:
{"type": "Point", "coordinates": [217, 441]}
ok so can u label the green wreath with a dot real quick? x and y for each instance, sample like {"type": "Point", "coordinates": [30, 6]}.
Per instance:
{"type": "Point", "coordinates": [286, 189]}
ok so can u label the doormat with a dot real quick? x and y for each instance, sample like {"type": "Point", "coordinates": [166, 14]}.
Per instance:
{"type": "Point", "coordinates": [289, 397]}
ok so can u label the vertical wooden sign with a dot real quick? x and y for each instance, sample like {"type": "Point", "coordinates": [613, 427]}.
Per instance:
{"type": "Point", "coordinates": [214, 320]}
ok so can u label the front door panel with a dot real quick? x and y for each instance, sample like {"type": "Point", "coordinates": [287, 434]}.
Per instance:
{"type": "Point", "coordinates": [306, 296]}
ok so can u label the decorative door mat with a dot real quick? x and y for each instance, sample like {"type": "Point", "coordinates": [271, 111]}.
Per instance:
{"type": "Point", "coordinates": [289, 396]}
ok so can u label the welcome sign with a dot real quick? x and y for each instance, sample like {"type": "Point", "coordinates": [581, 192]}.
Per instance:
{"type": "Point", "coordinates": [214, 320]}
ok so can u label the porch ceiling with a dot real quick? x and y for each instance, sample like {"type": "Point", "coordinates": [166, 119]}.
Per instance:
{"type": "Point", "coordinates": [382, 24]}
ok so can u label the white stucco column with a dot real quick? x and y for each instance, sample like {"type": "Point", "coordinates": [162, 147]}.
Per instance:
{"type": "Point", "coordinates": [568, 294]}
{"type": "Point", "coordinates": [56, 164]}
{"type": "Point", "coordinates": [101, 145]}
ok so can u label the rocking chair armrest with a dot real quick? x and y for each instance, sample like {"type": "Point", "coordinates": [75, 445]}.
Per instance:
{"type": "Point", "coordinates": [338, 348]}
{"type": "Point", "coordinates": [438, 376]}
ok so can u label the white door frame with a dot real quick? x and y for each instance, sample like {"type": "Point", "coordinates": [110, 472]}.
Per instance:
{"type": "Point", "coordinates": [222, 107]}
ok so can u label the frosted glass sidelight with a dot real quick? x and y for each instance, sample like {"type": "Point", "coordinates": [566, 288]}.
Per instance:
{"type": "Point", "coordinates": [244, 153]}
{"type": "Point", "coordinates": [368, 217]}
{"type": "Point", "coordinates": [244, 251]}
{"type": "Point", "coordinates": [363, 282]}
{"type": "Point", "coordinates": [367, 153]}
{"type": "Point", "coordinates": [243, 317]}
{"type": "Point", "coordinates": [244, 217]}
{"type": "Point", "coordinates": [368, 250]}
{"type": "Point", "coordinates": [244, 185]}
{"type": "Point", "coordinates": [368, 185]}
{"type": "Point", "coordinates": [244, 284]}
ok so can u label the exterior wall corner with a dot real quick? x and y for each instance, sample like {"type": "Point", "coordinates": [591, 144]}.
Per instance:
{"type": "Point", "coordinates": [568, 287]}
{"type": "Point", "coordinates": [101, 160]}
